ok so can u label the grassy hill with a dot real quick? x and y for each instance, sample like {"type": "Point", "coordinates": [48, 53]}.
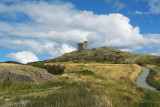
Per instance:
{"type": "Point", "coordinates": [96, 85]}
{"type": "Point", "coordinates": [106, 55]}
{"type": "Point", "coordinates": [101, 77]}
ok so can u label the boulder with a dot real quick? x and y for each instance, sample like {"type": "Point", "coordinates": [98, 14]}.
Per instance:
{"type": "Point", "coordinates": [25, 73]}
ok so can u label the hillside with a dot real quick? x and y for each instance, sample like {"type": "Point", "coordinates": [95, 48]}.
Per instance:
{"type": "Point", "coordinates": [106, 55]}
{"type": "Point", "coordinates": [91, 78]}
{"type": "Point", "coordinates": [97, 85]}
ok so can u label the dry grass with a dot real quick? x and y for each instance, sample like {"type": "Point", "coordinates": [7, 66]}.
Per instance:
{"type": "Point", "coordinates": [109, 71]}
{"type": "Point", "coordinates": [111, 84]}
{"type": "Point", "coordinates": [153, 79]}
{"type": "Point", "coordinates": [115, 80]}
{"type": "Point", "coordinates": [157, 70]}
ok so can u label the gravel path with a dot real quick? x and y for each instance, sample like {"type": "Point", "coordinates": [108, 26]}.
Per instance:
{"type": "Point", "coordinates": [141, 80]}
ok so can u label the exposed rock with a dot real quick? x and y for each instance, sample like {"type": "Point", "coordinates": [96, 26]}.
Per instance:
{"type": "Point", "coordinates": [25, 73]}
{"type": "Point", "coordinates": [71, 75]}
{"type": "Point", "coordinates": [99, 54]}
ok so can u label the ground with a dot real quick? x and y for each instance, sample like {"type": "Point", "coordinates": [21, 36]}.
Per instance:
{"type": "Point", "coordinates": [88, 84]}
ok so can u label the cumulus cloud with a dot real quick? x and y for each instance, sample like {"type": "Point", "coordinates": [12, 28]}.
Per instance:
{"type": "Point", "coordinates": [153, 45]}
{"type": "Point", "coordinates": [154, 40]}
{"type": "Point", "coordinates": [66, 49]}
{"type": "Point", "coordinates": [23, 57]}
{"type": "Point", "coordinates": [54, 29]}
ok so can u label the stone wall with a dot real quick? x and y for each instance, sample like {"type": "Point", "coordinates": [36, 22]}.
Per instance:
{"type": "Point", "coordinates": [82, 46]}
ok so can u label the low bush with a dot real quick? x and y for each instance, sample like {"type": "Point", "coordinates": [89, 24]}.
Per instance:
{"type": "Point", "coordinates": [84, 72]}
{"type": "Point", "coordinates": [53, 69]}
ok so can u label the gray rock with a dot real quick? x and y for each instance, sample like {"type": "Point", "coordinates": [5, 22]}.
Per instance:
{"type": "Point", "coordinates": [72, 75]}
{"type": "Point", "coordinates": [25, 73]}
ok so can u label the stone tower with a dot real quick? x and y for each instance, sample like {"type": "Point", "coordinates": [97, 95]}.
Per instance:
{"type": "Point", "coordinates": [83, 46]}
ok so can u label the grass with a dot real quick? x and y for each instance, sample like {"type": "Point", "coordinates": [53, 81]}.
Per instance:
{"type": "Point", "coordinates": [8, 85]}
{"type": "Point", "coordinates": [117, 82]}
{"type": "Point", "coordinates": [153, 79]}
{"type": "Point", "coordinates": [107, 84]}
{"type": "Point", "coordinates": [84, 72]}
{"type": "Point", "coordinates": [10, 90]}
{"type": "Point", "coordinates": [76, 95]}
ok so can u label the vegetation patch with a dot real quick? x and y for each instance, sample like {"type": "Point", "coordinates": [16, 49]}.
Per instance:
{"type": "Point", "coordinates": [84, 72]}
{"type": "Point", "coordinates": [153, 78]}
{"type": "Point", "coordinates": [74, 96]}
{"type": "Point", "coordinates": [8, 85]}
{"type": "Point", "coordinates": [99, 85]}
{"type": "Point", "coordinates": [53, 69]}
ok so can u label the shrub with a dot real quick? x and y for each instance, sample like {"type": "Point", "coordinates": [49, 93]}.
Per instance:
{"type": "Point", "coordinates": [53, 69]}
{"type": "Point", "coordinates": [85, 72]}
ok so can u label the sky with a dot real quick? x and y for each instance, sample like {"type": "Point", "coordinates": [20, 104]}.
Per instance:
{"type": "Point", "coordinates": [34, 30]}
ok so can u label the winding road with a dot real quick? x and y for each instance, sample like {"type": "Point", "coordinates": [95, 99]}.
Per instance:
{"type": "Point", "coordinates": [141, 80]}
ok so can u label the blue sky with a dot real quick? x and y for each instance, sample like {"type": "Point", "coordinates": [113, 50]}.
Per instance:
{"type": "Point", "coordinates": [32, 30]}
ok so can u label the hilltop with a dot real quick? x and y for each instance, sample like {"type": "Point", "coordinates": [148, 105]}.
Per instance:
{"type": "Point", "coordinates": [106, 55]}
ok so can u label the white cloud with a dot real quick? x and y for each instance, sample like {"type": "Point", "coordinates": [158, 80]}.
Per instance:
{"type": "Point", "coordinates": [23, 57]}
{"type": "Point", "coordinates": [4, 27]}
{"type": "Point", "coordinates": [153, 45]}
{"type": "Point", "coordinates": [138, 12]}
{"type": "Point", "coordinates": [55, 29]}
{"type": "Point", "coordinates": [153, 54]}
{"type": "Point", "coordinates": [66, 48]}
{"type": "Point", "coordinates": [118, 5]}
{"type": "Point", "coordinates": [153, 38]}
{"type": "Point", "coordinates": [156, 53]}
{"type": "Point", "coordinates": [154, 6]}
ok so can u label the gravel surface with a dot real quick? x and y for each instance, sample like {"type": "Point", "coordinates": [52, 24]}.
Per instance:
{"type": "Point", "coordinates": [141, 80]}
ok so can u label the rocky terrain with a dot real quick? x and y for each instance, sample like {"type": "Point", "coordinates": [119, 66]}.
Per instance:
{"type": "Point", "coordinates": [101, 77]}
{"type": "Point", "coordinates": [25, 73]}
{"type": "Point", "coordinates": [106, 55]}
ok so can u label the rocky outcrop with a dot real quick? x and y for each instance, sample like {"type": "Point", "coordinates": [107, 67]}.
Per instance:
{"type": "Point", "coordinates": [25, 73]}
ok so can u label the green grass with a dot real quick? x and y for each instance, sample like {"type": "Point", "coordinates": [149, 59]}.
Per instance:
{"type": "Point", "coordinates": [94, 86]}
{"type": "Point", "coordinates": [76, 95]}
{"type": "Point", "coordinates": [10, 90]}
{"type": "Point", "coordinates": [84, 72]}
{"type": "Point", "coordinates": [150, 99]}
{"type": "Point", "coordinates": [8, 85]}
{"type": "Point", "coordinates": [151, 78]}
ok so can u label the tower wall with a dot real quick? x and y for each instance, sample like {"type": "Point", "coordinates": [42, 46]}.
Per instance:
{"type": "Point", "coordinates": [82, 46]}
{"type": "Point", "coordinates": [86, 45]}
